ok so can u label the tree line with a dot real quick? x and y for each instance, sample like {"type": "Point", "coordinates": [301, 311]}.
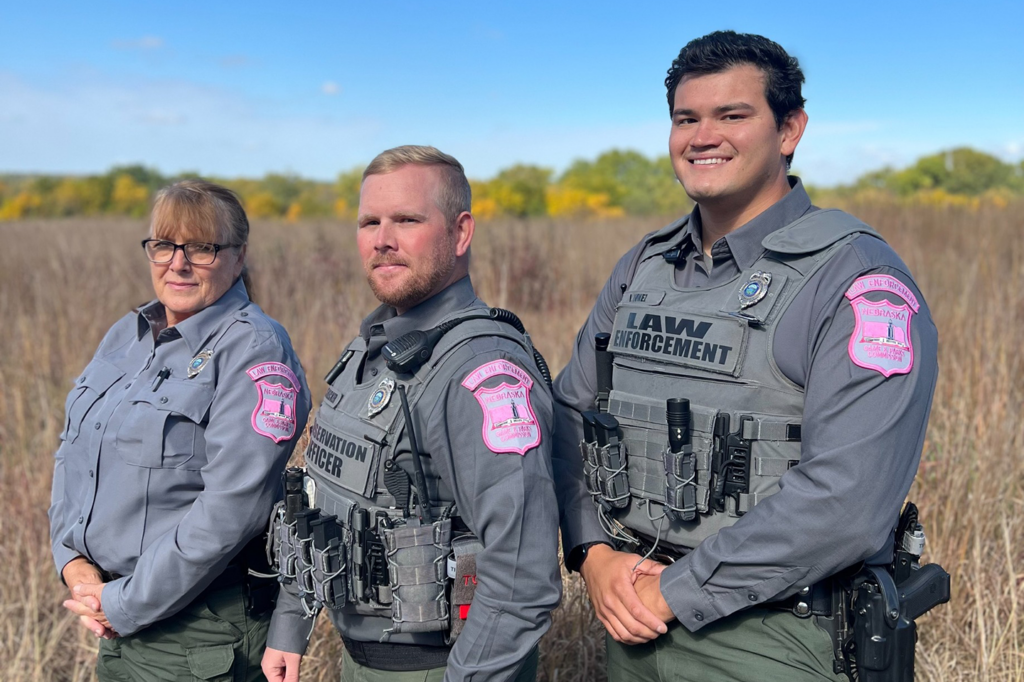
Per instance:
{"type": "Point", "coordinates": [616, 183]}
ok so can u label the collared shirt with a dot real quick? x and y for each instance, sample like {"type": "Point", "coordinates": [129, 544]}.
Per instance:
{"type": "Point", "coordinates": [861, 439]}
{"type": "Point", "coordinates": [172, 451]}
{"type": "Point", "coordinates": [506, 498]}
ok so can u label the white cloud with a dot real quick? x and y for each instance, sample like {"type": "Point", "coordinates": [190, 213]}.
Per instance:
{"type": "Point", "coordinates": [330, 88]}
{"type": "Point", "coordinates": [143, 43]}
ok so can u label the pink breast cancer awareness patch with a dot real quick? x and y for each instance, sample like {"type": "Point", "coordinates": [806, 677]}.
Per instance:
{"type": "Point", "coordinates": [510, 424]}
{"type": "Point", "coordinates": [881, 338]}
{"type": "Point", "coordinates": [274, 416]}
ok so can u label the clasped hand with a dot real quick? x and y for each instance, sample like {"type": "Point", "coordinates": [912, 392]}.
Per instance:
{"type": "Point", "coordinates": [86, 586]}
{"type": "Point", "coordinates": [626, 594]}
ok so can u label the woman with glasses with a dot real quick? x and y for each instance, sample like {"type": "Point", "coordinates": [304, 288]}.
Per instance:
{"type": "Point", "coordinates": [175, 437]}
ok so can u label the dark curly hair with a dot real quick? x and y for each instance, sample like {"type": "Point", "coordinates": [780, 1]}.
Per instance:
{"type": "Point", "coordinates": [722, 50]}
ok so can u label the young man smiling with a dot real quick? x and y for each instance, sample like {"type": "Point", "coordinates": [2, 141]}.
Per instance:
{"type": "Point", "coordinates": [808, 359]}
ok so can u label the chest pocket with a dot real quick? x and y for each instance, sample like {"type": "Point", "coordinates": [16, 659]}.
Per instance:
{"type": "Point", "coordinates": [165, 429]}
{"type": "Point", "coordinates": [97, 378]}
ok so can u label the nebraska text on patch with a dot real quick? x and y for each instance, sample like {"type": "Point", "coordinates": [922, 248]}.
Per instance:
{"type": "Point", "coordinates": [510, 424]}
{"type": "Point", "coordinates": [881, 338]}
{"type": "Point", "coordinates": [274, 416]}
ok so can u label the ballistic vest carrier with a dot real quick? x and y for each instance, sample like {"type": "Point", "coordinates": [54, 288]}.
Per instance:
{"type": "Point", "coordinates": [713, 347]}
{"type": "Point", "coordinates": [377, 567]}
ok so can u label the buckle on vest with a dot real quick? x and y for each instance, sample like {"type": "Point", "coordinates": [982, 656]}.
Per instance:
{"type": "Point", "coordinates": [730, 462]}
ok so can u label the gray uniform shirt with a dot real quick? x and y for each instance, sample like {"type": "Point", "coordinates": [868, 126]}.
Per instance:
{"type": "Point", "coordinates": [861, 440]}
{"type": "Point", "coordinates": [163, 480]}
{"type": "Point", "coordinates": [506, 499]}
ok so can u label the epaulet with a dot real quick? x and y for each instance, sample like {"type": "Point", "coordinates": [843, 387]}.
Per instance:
{"type": "Point", "coordinates": [816, 231]}
{"type": "Point", "coordinates": [261, 325]}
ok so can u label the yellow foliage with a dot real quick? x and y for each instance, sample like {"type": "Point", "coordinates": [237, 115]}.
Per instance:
{"type": "Point", "coordinates": [262, 205]}
{"type": "Point", "coordinates": [1000, 197]}
{"type": "Point", "coordinates": [943, 199]}
{"type": "Point", "coordinates": [485, 208]}
{"type": "Point", "coordinates": [77, 196]}
{"type": "Point", "coordinates": [294, 212]}
{"type": "Point", "coordinates": [343, 210]}
{"type": "Point", "coordinates": [129, 196]}
{"type": "Point", "coordinates": [571, 202]}
{"type": "Point", "coordinates": [19, 206]}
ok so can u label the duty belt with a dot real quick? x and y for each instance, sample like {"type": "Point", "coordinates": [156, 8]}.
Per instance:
{"type": "Point", "coordinates": [396, 657]}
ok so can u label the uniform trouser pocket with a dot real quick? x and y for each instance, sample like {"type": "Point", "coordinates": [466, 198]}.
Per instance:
{"type": "Point", "coordinates": [213, 638]}
{"type": "Point", "coordinates": [211, 662]}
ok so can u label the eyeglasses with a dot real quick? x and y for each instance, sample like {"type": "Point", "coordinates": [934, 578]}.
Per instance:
{"type": "Point", "coordinates": [197, 253]}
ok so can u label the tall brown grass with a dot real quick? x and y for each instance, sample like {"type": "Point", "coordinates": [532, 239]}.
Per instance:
{"type": "Point", "coordinates": [62, 284]}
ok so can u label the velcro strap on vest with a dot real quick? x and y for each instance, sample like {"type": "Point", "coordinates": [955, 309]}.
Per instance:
{"type": "Point", "coordinates": [415, 575]}
{"type": "Point", "coordinates": [771, 466]}
{"type": "Point", "coordinates": [771, 429]}
{"type": "Point", "coordinates": [748, 500]}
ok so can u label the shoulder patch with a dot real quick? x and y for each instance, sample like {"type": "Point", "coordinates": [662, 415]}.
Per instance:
{"type": "Point", "coordinates": [881, 339]}
{"type": "Point", "coordinates": [274, 416]}
{"type": "Point", "coordinates": [510, 424]}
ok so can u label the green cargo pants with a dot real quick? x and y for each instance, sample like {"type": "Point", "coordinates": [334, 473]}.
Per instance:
{"type": "Point", "coordinates": [757, 645]}
{"type": "Point", "coordinates": [210, 639]}
{"type": "Point", "coordinates": [353, 672]}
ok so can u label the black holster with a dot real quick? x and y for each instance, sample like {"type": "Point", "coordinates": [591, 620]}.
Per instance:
{"type": "Point", "coordinates": [883, 614]}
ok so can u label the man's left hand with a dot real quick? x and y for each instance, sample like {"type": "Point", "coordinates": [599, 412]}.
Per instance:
{"type": "Point", "coordinates": [88, 605]}
{"type": "Point", "coordinates": [648, 588]}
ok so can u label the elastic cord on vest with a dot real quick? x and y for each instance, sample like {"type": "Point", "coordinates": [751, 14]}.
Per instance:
{"type": "Point", "coordinates": [409, 352]}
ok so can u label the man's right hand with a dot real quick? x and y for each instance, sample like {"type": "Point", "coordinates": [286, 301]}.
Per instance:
{"type": "Point", "coordinates": [610, 576]}
{"type": "Point", "coordinates": [281, 666]}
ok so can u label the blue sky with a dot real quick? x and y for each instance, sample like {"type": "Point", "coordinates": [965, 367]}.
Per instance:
{"type": "Point", "coordinates": [242, 89]}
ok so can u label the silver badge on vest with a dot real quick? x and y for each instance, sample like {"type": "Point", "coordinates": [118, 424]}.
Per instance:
{"type": "Point", "coordinates": [381, 397]}
{"type": "Point", "coordinates": [755, 289]}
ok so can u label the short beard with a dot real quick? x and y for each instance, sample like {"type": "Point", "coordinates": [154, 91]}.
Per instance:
{"type": "Point", "coordinates": [437, 268]}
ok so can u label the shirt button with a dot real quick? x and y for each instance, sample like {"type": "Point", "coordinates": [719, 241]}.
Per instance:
{"type": "Point", "coordinates": [81, 519]}
{"type": "Point", "coordinates": [245, 314]}
{"type": "Point", "coordinates": [752, 597]}
{"type": "Point", "coordinates": [697, 615]}
{"type": "Point", "coordinates": [91, 473]}
{"type": "Point", "coordinates": [373, 371]}
{"type": "Point", "coordinates": [97, 426]}
{"type": "Point", "coordinates": [128, 385]}
{"type": "Point", "coordinates": [163, 399]}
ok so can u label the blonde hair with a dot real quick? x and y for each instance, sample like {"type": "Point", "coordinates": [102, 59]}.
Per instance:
{"type": "Point", "coordinates": [197, 210]}
{"type": "Point", "coordinates": [454, 197]}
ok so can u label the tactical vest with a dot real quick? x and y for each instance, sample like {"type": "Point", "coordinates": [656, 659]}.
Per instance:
{"type": "Point", "coordinates": [377, 567]}
{"type": "Point", "coordinates": [713, 347]}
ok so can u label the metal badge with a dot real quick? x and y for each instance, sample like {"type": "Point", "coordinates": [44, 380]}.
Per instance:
{"type": "Point", "coordinates": [198, 363]}
{"type": "Point", "coordinates": [755, 289]}
{"type": "Point", "coordinates": [381, 397]}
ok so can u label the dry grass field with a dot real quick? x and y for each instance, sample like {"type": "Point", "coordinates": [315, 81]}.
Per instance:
{"type": "Point", "coordinates": [62, 284]}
